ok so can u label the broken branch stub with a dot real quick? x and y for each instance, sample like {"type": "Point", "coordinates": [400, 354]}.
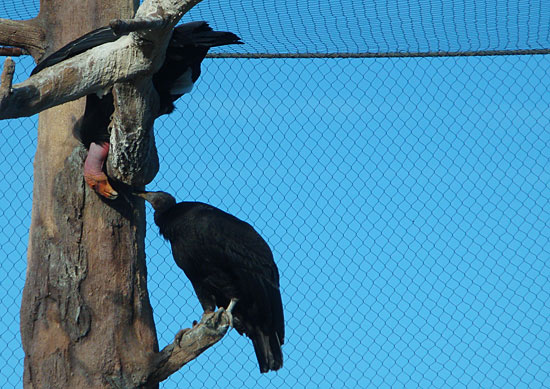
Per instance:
{"type": "Point", "coordinates": [23, 34]}
{"type": "Point", "coordinates": [125, 26]}
{"type": "Point", "coordinates": [13, 51]}
{"type": "Point", "coordinates": [7, 77]}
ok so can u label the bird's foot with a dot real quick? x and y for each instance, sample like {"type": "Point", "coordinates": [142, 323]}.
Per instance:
{"type": "Point", "coordinates": [100, 183]}
{"type": "Point", "coordinates": [229, 310]}
{"type": "Point", "coordinates": [206, 315]}
{"type": "Point", "coordinates": [216, 317]}
{"type": "Point", "coordinates": [93, 170]}
{"type": "Point", "coordinates": [179, 335]}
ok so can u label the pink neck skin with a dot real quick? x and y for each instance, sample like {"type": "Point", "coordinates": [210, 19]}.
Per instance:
{"type": "Point", "coordinates": [96, 158]}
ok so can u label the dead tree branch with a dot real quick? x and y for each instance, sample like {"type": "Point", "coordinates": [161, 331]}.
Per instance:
{"type": "Point", "coordinates": [193, 342]}
{"type": "Point", "coordinates": [25, 34]}
{"type": "Point", "coordinates": [93, 71]}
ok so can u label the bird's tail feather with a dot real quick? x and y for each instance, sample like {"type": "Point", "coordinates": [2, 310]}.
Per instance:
{"type": "Point", "coordinates": [200, 34]}
{"type": "Point", "coordinates": [268, 351]}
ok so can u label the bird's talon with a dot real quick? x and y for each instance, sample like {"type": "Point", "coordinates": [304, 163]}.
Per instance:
{"type": "Point", "coordinates": [229, 310]}
{"type": "Point", "coordinates": [100, 184]}
{"type": "Point", "coordinates": [179, 335]}
{"type": "Point", "coordinates": [230, 317]}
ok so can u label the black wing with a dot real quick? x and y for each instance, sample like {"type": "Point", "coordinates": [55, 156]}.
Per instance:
{"type": "Point", "coordinates": [85, 42]}
{"type": "Point", "coordinates": [247, 254]}
{"type": "Point", "coordinates": [186, 50]}
{"type": "Point", "coordinates": [224, 257]}
{"type": "Point", "coordinates": [259, 313]}
{"type": "Point", "coordinates": [244, 248]}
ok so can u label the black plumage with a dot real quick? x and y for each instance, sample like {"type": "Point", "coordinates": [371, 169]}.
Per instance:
{"type": "Point", "coordinates": [225, 259]}
{"type": "Point", "coordinates": [186, 50]}
{"type": "Point", "coordinates": [79, 45]}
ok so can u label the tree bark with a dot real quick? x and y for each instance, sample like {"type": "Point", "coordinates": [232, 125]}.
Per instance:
{"type": "Point", "coordinates": [86, 320]}
{"type": "Point", "coordinates": [26, 34]}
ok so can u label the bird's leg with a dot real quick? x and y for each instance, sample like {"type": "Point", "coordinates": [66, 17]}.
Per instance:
{"type": "Point", "coordinates": [93, 170]}
{"type": "Point", "coordinates": [229, 310]}
{"type": "Point", "coordinates": [232, 304]}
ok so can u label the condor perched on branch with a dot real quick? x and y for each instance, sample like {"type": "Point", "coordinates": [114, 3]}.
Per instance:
{"type": "Point", "coordinates": [187, 48]}
{"type": "Point", "coordinates": [227, 262]}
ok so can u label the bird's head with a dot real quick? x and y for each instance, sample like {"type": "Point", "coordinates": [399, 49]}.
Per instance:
{"type": "Point", "coordinates": [161, 201]}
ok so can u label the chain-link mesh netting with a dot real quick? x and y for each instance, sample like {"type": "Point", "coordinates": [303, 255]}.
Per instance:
{"type": "Point", "coordinates": [406, 202]}
{"type": "Point", "coordinates": [353, 26]}
{"type": "Point", "coordinates": [381, 26]}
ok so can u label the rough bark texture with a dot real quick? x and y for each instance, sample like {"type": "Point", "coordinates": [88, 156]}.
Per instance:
{"type": "Point", "coordinates": [131, 161]}
{"type": "Point", "coordinates": [26, 34]}
{"type": "Point", "coordinates": [86, 320]}
{"type": "Point", "coordinates": [95, 70]}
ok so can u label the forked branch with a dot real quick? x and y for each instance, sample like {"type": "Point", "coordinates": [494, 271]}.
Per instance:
{"type": "Point", "coordinates": [93, 71]}
{"type": "Point", "coordinates": [131, 57]}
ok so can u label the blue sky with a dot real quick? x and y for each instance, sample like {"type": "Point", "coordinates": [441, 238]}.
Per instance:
{"type": "Point", "coordinates": [406, 202]}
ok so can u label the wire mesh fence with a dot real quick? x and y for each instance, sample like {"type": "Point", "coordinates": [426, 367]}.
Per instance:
{"type": "Point", "coordinates": [407, 205]}
{"type": "Point", "coordinates": [406, 201]}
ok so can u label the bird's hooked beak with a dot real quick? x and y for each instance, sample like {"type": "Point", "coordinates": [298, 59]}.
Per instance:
{"type": "Point", "coordinates": [160, 201]}
{"type": "Point", "coordinates": [143, 194]}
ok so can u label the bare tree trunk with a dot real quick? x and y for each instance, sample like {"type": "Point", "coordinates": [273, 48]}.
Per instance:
{"type": "Point", "coordinates": [86, 320]}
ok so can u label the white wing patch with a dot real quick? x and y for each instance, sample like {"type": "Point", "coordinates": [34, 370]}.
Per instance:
{"type": "Point", "coordinates": [183, 84]}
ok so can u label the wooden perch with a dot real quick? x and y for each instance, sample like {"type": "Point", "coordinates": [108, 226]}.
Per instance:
{"type": "Point", "coordinates": [25, 34]}
{"type": "Point", "coordinates": [97, 69]}
{"type": "Point", "coordinates": [193, 342]}
{"type": "Point", "coordinates": [105, 331]}
{"type": "Point", "coordinates": [125, 67]}
{"type": "Point", "coordinates": [93, 71]}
